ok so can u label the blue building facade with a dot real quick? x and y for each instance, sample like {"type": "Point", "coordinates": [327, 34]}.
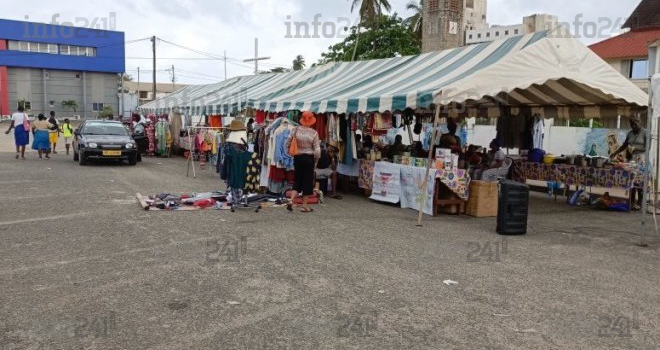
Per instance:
{"type": "Point", "coordinates": [46, 64]}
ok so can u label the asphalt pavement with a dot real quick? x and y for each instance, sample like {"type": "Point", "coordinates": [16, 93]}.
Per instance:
{"type": "Point", "coordinates": [82, 267]}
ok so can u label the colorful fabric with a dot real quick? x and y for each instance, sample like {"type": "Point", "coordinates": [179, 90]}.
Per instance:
{"type": "Point", "coordinates": [577, 176]}
{"type": "Point", "coordinates": [365, 179]}
{"type": "Point", "coordinates": [21, 136]}
{"type": "Point", "coordinates": [53, 136]}
{"type": "Point", "coordinates": [457, 180]}
{"type": "Point", "coordinates": [151, 137]}
{"type": "Point", "coordinates": [253, 179]}
{"type": "Point", "coordinates": [41, 141]}
{"type": "Point", "coordinates": [162, 132]}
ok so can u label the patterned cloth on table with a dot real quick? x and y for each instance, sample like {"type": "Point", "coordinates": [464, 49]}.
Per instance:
{"type": "Point", "coordinates": [578, 176]}
{"type": "Point", "coordinates": [457, 180]}
{"type": "Point", "coordinates": [365, 179]}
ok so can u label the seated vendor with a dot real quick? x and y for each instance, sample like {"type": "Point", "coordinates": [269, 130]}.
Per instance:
{"type": "Point", "coordinates": [397, 148]}
{"type": "Point", "coordinates": [326, 169]}
{"type": "Point", "coordinates": [495, 160]}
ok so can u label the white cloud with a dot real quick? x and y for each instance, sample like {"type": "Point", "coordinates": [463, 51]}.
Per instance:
{"type": "Point", "coordinates": [232, 25]}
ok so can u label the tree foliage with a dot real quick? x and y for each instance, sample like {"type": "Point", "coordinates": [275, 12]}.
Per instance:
{"type": "Point", "coordinates": [299, 63]}
{"type": "Point", "coordinates": [385, 38]}
{"type": "Point", "coordinates": [370, 10]}
{"type": "Point", "coordinates": [70, 104]}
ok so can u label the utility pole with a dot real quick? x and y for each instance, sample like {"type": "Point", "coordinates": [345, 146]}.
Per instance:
{"type": "Point", "coordinates": [121, 107]}
{"type": "Point", "coordinates": [173, 78]}
{"type": "Point", "coordinates": [138, 90]}
{"type": "Point", "coordinates": [256, 58]}
{"type": "Point", "coordinates": [225, 56]}
{"type": "Point", "coordinates": [153, 40]}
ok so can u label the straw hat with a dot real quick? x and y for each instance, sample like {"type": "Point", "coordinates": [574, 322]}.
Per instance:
{"type": "Point", "coordinates": [237, 125]}
{"type": "Point", "coordinates": [307, 119]}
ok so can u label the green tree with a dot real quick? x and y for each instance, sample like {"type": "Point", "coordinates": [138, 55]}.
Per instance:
{"type": "Point", "coordinates": [278, 70]}
{"type": "Point", "coordinates": [370, 12]}
{"type": "Point", "coordinates": [299, 63]}
{"type": "Point", "coordinates": [386, 38]}
{"type": "Point", "coordinates": [415, 21]}
{"type": "Point", "coordinates": [70, 104]}
{"type": "Point", "coordinates": [106, 112]}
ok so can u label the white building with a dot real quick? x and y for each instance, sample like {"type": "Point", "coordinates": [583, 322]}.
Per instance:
{"type": "Point", "coordinates": [531, 24]}
{"type": "Point", "coordinates": [474, 17]}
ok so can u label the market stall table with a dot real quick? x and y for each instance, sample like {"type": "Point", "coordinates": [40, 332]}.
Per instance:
{"type": "Point", "coordinates": [394, 183]}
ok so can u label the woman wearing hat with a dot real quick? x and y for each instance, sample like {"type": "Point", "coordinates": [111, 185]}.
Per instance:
{"type": "Point", "coordinates": [309, 152]}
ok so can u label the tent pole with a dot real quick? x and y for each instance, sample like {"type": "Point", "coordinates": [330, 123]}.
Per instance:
{"type": "Point", "coordinates": [422, 201]}
{"type": "Point", "coordinates": [647, 167]}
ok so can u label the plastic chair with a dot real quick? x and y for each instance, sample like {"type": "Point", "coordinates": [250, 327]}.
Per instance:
{"type": "Point", "coordinates": [500, 173]}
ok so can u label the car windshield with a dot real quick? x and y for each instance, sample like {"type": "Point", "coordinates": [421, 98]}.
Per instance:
{"type": "Point", "coordinates": [105, 129]}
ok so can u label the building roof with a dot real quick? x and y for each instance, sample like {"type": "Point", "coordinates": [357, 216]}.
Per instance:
{"type": "Point", "coordinates": [148, 86]}
{"type": "Point", "coordinates": [646, 15]}
{"type": "Point", "coordinates": [633, 44]}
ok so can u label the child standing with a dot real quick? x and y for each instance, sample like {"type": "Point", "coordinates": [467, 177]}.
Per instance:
{"type": "Point", "coordinates": [67, 131]}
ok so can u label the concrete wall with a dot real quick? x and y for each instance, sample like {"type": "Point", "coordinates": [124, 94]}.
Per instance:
{"type": "Point", "coordinates": [436, 33]}
{"type": "Point", "coordinates": [28, 84]}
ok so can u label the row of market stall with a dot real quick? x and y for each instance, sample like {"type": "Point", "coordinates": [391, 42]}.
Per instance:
{"type": "Point", "coordinates": [537, 75]}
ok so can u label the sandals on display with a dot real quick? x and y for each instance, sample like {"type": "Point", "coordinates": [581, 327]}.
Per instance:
{"type": "Point", "coordinates": [307, 210]}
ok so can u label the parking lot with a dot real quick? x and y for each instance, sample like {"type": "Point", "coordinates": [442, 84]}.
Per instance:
{"type": "Point", "coordinates": [82, 267]}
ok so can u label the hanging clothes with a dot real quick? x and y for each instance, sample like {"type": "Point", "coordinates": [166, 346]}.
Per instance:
{"type": "Point", "coordinates": [538, 132]}
{"type": "Point", "coordinates": [150, 130]}
{"type": "Point", "coordinates": [234, 168]}
{"type": "Point", "coordinates": [321, 126]}
{"type": "Point", "coordinates": [253, 180]}
{"type": "Point", "coordinates": [162, 136]}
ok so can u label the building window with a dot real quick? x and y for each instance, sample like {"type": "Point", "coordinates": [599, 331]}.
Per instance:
{"type": "Point", "coordinates": [144, 94]}
{"type": "Point", "coordinates": [516, 32]}
{"type": "Point", "coordinates": [488, 35]}
{"type": "Point", "coordinates": [639, 69]}
{"type": "Point", "coordinates": [506, 32]}
{"type": "Point", "coordinates": [470, 36]}
{"type": "Point", "coordinates": [434, 5]}
{"type": "Point", "coordinates": [469, 4]}
{"type": "Point", "coordinates": [497, 33]}
{"type": "Point", "coordinates": [479, 36]}
{"type": "Point", "coordinates": [51, 104]}
{"type": "Point", "coordinates": [97, 107]}
{"type": "Point", "coordinates": [26, 104]}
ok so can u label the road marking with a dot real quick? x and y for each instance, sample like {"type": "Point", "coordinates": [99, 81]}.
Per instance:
{"type": "Point", "coordinates": [23, 182]}
{"type": "Point", "coordinates": [48, 218]}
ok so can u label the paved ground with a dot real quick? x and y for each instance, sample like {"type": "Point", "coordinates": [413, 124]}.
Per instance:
{"type": "Point", "coordinates": [75, 249]}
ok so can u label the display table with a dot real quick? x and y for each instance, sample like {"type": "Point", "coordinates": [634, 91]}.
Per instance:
{"type": "Point", "coordinates": [394, 183]}
{"type": "Point", "coordinates": [573, 175]}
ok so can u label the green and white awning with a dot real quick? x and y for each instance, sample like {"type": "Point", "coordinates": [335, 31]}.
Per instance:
{"type": "Point", "coordinates": [537, 70]}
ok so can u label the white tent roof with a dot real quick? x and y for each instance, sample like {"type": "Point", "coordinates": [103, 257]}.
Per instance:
{"type": "Point", "coordinates": [552, 74]}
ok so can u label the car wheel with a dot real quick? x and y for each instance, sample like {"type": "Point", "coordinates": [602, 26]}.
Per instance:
{"type": "Point", "coordinates": [133, 159]}
{"type": "Point", "coordinates": [82, 159]}
{"type": "Point", "coordinates": [75, 156]}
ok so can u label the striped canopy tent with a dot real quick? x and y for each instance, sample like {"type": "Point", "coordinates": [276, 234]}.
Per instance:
{"type": "Point", "coordinates": [548, 73]}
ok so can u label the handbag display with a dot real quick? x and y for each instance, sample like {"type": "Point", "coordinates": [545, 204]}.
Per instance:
{"type": "Point", "coordinates": [293, 146]}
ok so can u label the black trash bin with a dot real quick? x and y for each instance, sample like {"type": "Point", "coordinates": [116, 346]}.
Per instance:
{"type": "Point", "coordinates": [513, 208]}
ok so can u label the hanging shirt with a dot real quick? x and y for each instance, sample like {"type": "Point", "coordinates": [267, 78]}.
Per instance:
{"type": "Point", "coordinates": [538, 133]}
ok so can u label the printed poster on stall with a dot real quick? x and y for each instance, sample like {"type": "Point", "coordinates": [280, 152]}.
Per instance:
{"type": "Point", "coordinates": [412, 178]}
{"type": "Point", "coordinates": [386, 182]}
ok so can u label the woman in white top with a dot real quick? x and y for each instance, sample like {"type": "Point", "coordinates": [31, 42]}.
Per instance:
{"type": "Point", "coordinates": [21, 135]}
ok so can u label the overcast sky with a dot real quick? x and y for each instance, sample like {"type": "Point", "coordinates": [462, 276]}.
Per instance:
{"type": "Point", "coordinates": [216, 25]}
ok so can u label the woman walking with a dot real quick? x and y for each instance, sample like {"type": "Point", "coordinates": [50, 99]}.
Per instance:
{"type": "Point", "coordinates": [54, 132]}
{"type": "Point", "coordinates": [41, 141]}
{"type": "Point", "coordinates": [21, 125]}
{"type": "Point", "coordinates": [309, 152]}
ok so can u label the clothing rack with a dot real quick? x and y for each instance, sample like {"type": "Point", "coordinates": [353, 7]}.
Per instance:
{"type": "Point", "coordinates": [193, 130]}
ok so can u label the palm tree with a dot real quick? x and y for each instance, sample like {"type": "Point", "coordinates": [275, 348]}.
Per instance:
{"type": "Point", "coordinates": [414, 22]}
{"type": "Point", "coordinates": [370, 11]}
{"type": "Point", "coordinates": [299, 63]}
